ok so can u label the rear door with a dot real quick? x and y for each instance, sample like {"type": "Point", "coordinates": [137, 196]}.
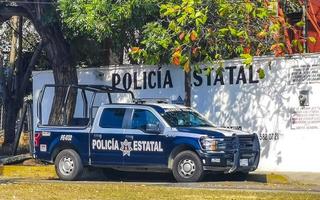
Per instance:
{"type": "Point", "coordinates": [106, 137]}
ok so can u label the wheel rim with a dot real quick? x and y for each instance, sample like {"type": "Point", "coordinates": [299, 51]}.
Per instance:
{"type": "Point", "coordinates": [186, 168]}
{"type": "Point", "coordinates": [66, 165]}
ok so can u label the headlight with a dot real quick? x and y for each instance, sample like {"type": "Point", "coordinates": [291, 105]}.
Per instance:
{"type": "Point", "coordinates": [212, 144]}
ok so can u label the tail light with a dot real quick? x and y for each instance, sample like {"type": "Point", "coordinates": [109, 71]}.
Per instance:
{"type": "Point", "coordinates": [37, 137]}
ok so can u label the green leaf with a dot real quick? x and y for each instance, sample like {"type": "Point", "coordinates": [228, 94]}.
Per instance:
{"type": "Point", "coordinates": [217, 56]}
{"type": "Point", "coordinates": [186, 38]}
{"type": "Point", "coordinates": [249, 7]}
{"type": "Point", "coordinates": [163, 9]}
{"type": "Point", "coordinates": [241, 33]}
{"type": "Point", "coordinates": [262, 13]}
{"type": "Point", "coordinates": [172, 25]}
{"type": "Point", "coordinates": [220, 70]}
{"type": "Point", "coordinates": [223, 30]}
{"type": "Point", "coordinates": [189, 10]}
{"type": "Point", "coordinates": [233, 31]}
{"type": "Point", "coordinates": [300, 47]}
{"type": "Point", "coordinates": [199, 14]}
{"type": "Point", "coordinates": [295, 43]}
{"type": "Point", "coordinates": [275, 27]}
{"type": "Point", "coordinates": [208, 71]}
{"type": "Point", "coordinates": [247, 58]}
{"type": "Point", "coordinates": [197, 69]}
{"type": "Point", "coordinates": [182, 20]}
{"type": "Point", "coordinates": [300, 24]}
{"type": "Point", "coordinates": [261, 73]}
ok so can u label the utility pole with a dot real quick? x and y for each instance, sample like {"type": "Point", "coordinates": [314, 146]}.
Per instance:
{"type": "Point", "coordinates": [305, 28]}
{"type": "Point", "coordinates": [187, 85]}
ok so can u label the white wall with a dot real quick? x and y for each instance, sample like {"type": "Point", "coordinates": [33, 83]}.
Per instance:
{"type": "Point", "coordinates": [289, 133]}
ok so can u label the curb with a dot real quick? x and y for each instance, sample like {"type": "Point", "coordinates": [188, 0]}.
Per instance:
{"type": "Point", "coordinates": [271, 178]}
{"type": "Point", "coordinates": [36, 172]}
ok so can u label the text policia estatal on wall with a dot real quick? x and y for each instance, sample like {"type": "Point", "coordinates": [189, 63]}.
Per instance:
{"type": "Point", "coordinates": [163, 79]}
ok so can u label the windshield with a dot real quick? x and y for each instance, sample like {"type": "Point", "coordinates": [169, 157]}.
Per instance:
{"type": "Point", "coordinates": [185, 118]}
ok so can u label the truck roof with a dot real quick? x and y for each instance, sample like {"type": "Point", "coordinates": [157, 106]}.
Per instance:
{"type": "Point", "coordinates": [159, 107]}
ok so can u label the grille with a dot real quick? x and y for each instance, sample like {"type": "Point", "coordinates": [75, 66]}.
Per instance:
{"type": "Point", "coordinates": [246, 142]}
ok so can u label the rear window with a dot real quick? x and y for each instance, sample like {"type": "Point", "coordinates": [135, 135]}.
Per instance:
{"type": "Point", "coordinates": [112, 118]}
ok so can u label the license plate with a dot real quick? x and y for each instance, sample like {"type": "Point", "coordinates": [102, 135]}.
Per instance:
{"type": "Point", "coordinates": [244, 162]}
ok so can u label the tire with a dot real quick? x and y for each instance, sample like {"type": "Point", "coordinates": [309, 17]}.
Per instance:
{"type": "Point", "coordinates": [187, 167]}
{"type": "Point", "coordinates": [68, 165]}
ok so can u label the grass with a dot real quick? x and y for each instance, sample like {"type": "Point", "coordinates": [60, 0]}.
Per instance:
{"type": "Point", "coordinates": [124, 191]}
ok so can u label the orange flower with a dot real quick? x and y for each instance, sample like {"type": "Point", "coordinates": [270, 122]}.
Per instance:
{"type": "Point", "coordinates": [178, 50]}
{"type": "Point", "coordinates": [195, 50]}
{"type": "Point", "coordinates": [277, 50]}
{"type": "Point", "coordinates": [193, 36]}
{"type": "Point", "coordinates": [176, 60]}
{"type": "Point", "coordinates": [135, 49]}
{"type": "Point", "coordinates": [247, 50]}
{"type": "Point", "coordinates": [181, 36]}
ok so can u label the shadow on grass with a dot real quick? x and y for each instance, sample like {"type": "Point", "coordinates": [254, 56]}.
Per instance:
{"type": "Point", "coordinates": [120, 176]}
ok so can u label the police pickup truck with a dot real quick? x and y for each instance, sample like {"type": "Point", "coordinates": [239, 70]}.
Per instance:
{"type": "Point", "coordinates": [142, 136]}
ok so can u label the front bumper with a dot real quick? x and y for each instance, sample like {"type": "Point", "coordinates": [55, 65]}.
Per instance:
{"type": "Point", "coordinates": [241, 155]}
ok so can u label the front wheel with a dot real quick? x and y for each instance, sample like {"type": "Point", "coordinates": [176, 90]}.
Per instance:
{"type": "Point", "coordinates": [68, 165]}
{"type": "Point", "coordinates": [187, 167]}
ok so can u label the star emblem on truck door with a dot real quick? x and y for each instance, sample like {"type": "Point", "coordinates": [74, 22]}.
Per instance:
{"type": "Point", "coordinates": [126, 147]}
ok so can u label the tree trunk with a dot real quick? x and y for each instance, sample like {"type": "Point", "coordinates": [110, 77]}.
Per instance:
{"type": "Point", "coordinates": [57, 51]}
{"type": "Point", "coordinates": [187, 88]}
{"type": "Point", "coordinates": [10, 117]}
{"type": "Point", "coordinates": [10, 106]}
{"type": "Point", "coordinates": [14, 100]}
{"type": "Point", "coordinates": [64, 73]}
{"type": "Point", "coordinates": [2, 90]}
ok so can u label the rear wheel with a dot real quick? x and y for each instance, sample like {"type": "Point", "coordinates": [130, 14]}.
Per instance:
{"type": "Point", "coordinates": [68, 165]}
{"type": "Point", "coordinates": [187, 167]}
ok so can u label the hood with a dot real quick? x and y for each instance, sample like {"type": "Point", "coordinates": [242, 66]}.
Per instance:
{"type": "Point", "coordinates": [211, 131]}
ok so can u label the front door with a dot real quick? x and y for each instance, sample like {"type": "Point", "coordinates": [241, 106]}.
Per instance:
{"type": "Point", "coordinates": [106, 137]}
{"type": "Point", "coordinates": [146, 148]}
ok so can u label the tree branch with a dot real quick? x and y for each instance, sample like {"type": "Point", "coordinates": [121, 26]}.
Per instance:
{"type": "Point", "coordinates": [6, 12]}
{"type": "Point", "coordinates": [28, 72]}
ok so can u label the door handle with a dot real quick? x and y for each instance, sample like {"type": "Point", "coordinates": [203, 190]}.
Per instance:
{"type": "Point", "coordinates": [99, 136]}
{"type": "Point", "coordinates": [130, 137]}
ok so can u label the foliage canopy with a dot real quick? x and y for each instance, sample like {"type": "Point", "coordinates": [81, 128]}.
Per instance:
{"type": "Point", "coordinates": [184, 32]}
{"type": "Point", "coordinates": [190, 31]}
{"type": "Point", "coordinates": [120, 20]}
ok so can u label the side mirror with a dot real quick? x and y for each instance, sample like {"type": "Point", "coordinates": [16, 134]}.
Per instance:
{"type": "Point", "coordinates": [153, 128]}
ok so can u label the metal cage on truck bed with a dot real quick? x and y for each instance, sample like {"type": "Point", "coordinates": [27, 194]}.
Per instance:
{"type": "Point", "coordinates": [95, 89]}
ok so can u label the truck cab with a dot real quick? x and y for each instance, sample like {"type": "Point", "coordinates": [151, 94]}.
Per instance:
{"type": "Point", "coordinates": [154, 136]}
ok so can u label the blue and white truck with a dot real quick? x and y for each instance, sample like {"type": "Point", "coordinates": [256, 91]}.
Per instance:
{"type": "Point", "coordinates": [142, 135]}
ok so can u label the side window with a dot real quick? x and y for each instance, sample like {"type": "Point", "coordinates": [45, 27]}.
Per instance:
{"type": "Point", "coordinates": [141, 118]}
{"type": "Point", "coordinates": [112, 118]}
